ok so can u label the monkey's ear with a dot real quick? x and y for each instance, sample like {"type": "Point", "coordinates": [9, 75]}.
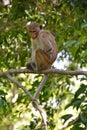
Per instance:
{"type": "Point", "coordinates": [41, 27]}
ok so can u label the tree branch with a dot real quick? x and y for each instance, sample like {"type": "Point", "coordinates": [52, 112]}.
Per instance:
{"type": "Point", "coordinates": [20, 86]}
{"type": "Point", "coordinates": [34, 101]}
{"type": "Point", "coordinates": [43, 81]}
{"type": "Point", "coordinates": [33, 98]}
{"type": "Point", "coordinates": [55, 71]}
{"type": "Point", "coordinates": [69, 123]}
{"type": "Point", "coordinates": [42, 113]}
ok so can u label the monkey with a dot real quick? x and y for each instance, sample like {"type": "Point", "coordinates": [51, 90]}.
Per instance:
{"type": "Point", "coordinates": [44, 48]}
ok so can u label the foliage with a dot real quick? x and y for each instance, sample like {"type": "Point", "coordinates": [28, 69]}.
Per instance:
{"type": "Point", "coordinates": [79, 102]}
{"type": "Point", "coordinates": [67, 20]}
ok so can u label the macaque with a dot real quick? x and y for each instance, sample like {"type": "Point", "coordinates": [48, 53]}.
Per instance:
{"type": "Point", "coordinates": [44, 49]}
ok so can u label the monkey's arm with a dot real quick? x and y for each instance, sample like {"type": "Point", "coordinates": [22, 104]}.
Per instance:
{"type": "Point", "coordinates": [48, 41]}
{"type": "Point", "coordinates": [49, 44]}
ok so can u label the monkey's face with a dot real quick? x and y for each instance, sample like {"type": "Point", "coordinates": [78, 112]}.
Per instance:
{"type": "Point", "coordinates": [33, 29]}
{"type": "Point", "coordinates": [33, 33]}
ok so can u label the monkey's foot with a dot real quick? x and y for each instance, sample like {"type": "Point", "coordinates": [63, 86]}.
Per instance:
{"type": "Point", "coordinates": [31, 66]}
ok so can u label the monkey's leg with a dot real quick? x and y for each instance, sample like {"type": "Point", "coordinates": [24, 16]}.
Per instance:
{"type": "Point", "coordinates": [42, 60]}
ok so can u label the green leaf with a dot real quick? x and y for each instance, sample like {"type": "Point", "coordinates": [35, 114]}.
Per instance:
{"type": "Point", "coordinates": [70, 43]}
{"type": "Point", "coordinates": [66, 117]}
{"type": "Point", "coordinates": [81, 90]}
{"type": "Point", "coordinates": [84, 25]}
{"type": "Point", "coordinates": [2, 93]}
{"type": "Point", "coordinates": [85, 53]}
{"type": "Point", "coordinates": [82, 38]}
{"type": "Point", "coordinates": [77, 127]}
{"type": "Point", "coordinates": [83, 119]}
{"type": "Point", "coordinates": [75, 103]}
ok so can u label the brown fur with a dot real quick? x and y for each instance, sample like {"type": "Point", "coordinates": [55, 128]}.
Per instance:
{"type": "Point", "coordinates": [44, 49]}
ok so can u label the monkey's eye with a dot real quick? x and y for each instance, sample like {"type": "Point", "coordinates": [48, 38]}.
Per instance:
{"type": "Point", "coordinates": [32, 31]}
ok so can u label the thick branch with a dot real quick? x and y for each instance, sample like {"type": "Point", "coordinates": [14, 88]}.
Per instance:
{"type": "Point", "coordinates": [55, 71]}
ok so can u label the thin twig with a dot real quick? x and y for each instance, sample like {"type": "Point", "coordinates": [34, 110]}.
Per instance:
{"type": "Point", "coordinates": [19, 85]}
{"type": "Point", "coordinates": [42, 113]}
{"type": "Point", "coordinates": [69, 123]}
{"type": "Point", "coordinates": [43, 81]}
